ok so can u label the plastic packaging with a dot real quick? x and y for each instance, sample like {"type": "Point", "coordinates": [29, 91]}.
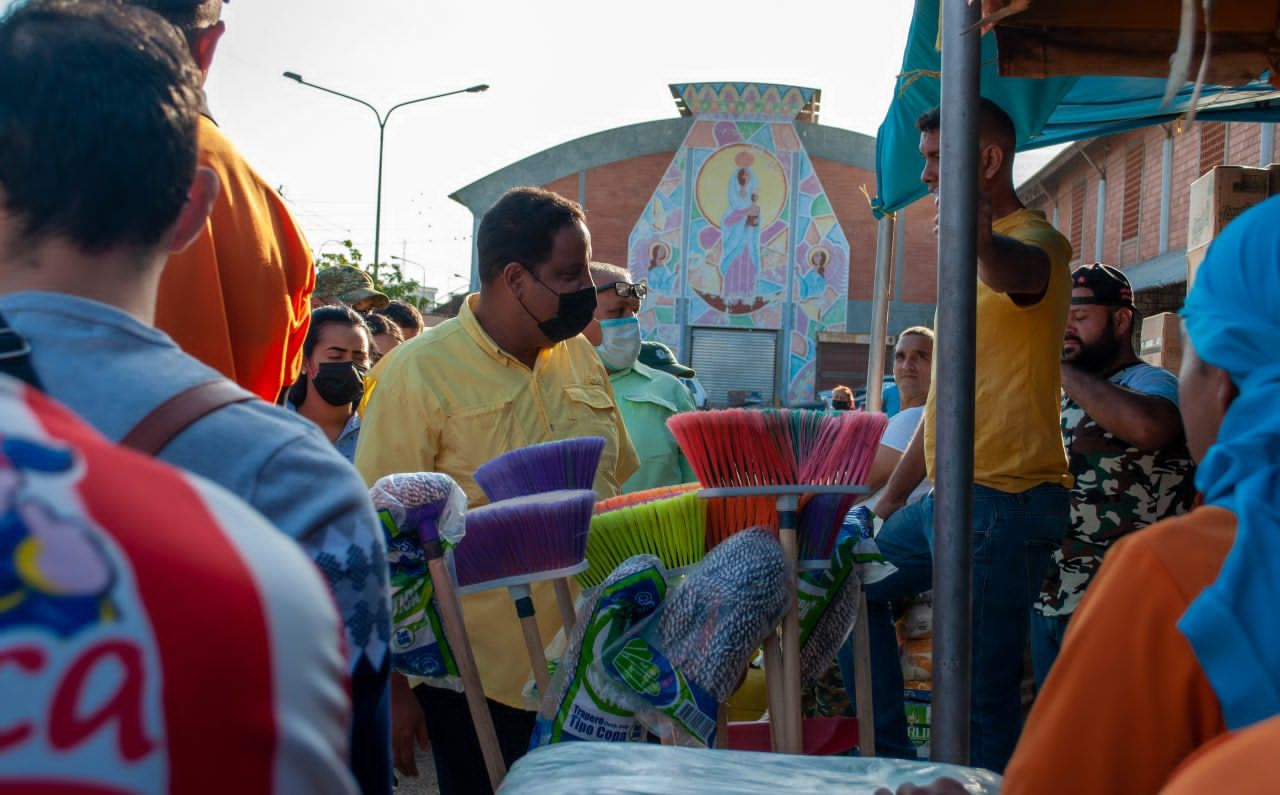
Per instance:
{"type": "Point", "coordinates": [577, 706]}
{"type": "Point", "coordinates": [676, 667]}
{"type": "Point", "coordinates": [403, 502]}
{"type": "Point", "coordinates": [653, 770]}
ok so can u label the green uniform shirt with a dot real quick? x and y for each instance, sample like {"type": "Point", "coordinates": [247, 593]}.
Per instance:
{"type": "Point", "coordinates": [646, 398]}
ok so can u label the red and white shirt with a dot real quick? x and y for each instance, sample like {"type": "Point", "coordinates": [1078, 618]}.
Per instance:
{"type": "Point", "coordinates": [156, 634]}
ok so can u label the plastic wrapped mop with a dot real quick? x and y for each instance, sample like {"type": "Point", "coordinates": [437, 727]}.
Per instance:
{"type": "Point", "coordinates": [403, 502]}
{"type": "Point", "coordinates": [677, 667]}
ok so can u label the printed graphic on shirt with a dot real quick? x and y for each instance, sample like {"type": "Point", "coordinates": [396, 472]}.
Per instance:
{"type": "Point", "coordinates": [1118, 489]}
{"type": "Point", "coordinates": [82, 706]}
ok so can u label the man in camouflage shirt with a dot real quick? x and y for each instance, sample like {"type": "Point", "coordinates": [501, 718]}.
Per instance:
{"type": "Point", "coordinates": [1123, 434]}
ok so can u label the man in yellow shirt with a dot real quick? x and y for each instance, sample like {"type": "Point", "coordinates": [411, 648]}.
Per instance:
{"type": "Point", "coordinates": [1020, 500]}
{"type": "Point", "coordinates": [511, 370]}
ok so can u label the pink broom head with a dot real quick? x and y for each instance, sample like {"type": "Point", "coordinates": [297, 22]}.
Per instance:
{"type": "Point", "coordinates": [519, 539]}
{"type": "Point", "coordinates": [550, 466]}
{"type": "Point", "coordinates": [732, 447]}
{"type": "Point", "coordinates": [847, 447]}
{"type": "Point", "coordinates": [819, 524]}
{"type": "Point", "coordinates": [641, 497]}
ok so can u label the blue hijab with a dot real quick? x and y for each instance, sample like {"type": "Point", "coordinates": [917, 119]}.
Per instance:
{"type": "Point", "coordinates": [1233, 318]}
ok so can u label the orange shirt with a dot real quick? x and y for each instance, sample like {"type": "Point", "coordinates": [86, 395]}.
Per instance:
{"type": "Point", "coordinates": [1241, 763]}
{"type": "Point", "coordinates": [239, 298]}
{"type": "Point", "coordinates": [1126, 701]}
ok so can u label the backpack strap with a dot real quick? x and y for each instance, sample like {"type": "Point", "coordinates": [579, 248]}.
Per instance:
{"type": "Point", "coordinates": [15, 356]}
{"type": "Point", "coordinates": [180, 412]}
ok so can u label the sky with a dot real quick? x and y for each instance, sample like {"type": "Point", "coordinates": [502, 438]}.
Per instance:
{"type": "Point", "coordinates": [557, 71]}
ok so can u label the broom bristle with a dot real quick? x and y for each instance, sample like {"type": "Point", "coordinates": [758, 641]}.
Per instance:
{"type": "Point", "coordinates": [846, 449]}
{"type": "Point", "coordinates": [727, 516]}
{"type": "Point", "coordinates": [524, 536]}
{"type": "Point", "coordinates": [820, 522]}
{"type": "Point", "coordinates": [671, 529]}
{"type": "Point", "coordinates": [648, 495]}
{"type": "Point", "coordinates": [550, 466]}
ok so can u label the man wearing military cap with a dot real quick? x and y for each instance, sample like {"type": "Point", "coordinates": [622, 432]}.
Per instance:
{"type": "Point", "coordinates": [1124, 440]}
{"type": "Point", "coordinates": [348, 285]}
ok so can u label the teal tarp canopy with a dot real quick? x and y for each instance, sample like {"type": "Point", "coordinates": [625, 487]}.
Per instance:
{"type": "Point", "coordinates": [1046, 112]}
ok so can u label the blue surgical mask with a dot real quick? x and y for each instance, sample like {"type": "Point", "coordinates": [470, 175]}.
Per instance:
{"type": "Point", "coordinates": [620, 342]}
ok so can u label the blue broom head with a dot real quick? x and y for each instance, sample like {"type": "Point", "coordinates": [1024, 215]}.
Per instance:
{"type": "Point", "coordinates": [523, 539]}
{"type": "Point", "coordinates": [550, 466]}
{"type": "Point", "coordinates": [713, 622]}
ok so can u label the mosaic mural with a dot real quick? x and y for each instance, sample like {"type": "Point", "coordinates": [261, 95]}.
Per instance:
{"type": "Point", "coordinates": [740, 230]}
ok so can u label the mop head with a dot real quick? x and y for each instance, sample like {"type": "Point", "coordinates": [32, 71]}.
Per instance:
{"type": "Point", "coordinates": [676, 668]}
{"type": "Point", "coordinates": [576, 707]}
{"type": "Point", "coordinates": [671, 529]}
{"type": "Point", "coordinates": [514, 540]}
{"type": "Point", "coordinates": [828, 606]}
{"type": "Point", "coordinates": [412, 508]}
{"type": "Point", "coordinates": [551, 466]}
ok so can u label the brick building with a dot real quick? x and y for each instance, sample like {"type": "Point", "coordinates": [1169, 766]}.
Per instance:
{"type": "Point", "coordinates": [632, 179]}
{"type": "Point", "coordinates": [1123, 199]}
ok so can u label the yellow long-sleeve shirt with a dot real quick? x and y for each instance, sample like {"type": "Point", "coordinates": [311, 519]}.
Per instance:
{"type": "Point", "coordinates": [450, 400]}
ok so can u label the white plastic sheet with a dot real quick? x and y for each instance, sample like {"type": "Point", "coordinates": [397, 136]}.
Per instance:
{"type": "Point", "coordinates": [641, 769]}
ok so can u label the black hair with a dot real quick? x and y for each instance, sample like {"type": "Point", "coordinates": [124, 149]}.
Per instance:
{"type": "Point", "coordinates": [521, 227]}
{"type": "Point", "coordinates": [403, 314]}
{"type": "Point", "coordinates": [321, 317]}
{"type": "Point", "coordinates": [381, 324]}
{"type": "Point", "coordinates": [993, 121]}
{"type": "Point", "coordinates": [192, 17]}
{"type": "Point", "coordinates": [99, 104]}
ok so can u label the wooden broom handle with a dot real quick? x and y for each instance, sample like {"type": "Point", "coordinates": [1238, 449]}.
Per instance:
{"type": "Point", "coordinates": [532, 638]}
{"type": "Point", "coordinates": [862, 680]}
{"type": "Point", "coordinates": [564, 600]}
{"type": "Point", "coordinates": [773, 689]}
{"type": "Point", "coordinates": [793, 737]}
{"type": "Point", "coordinates": [456, 633]}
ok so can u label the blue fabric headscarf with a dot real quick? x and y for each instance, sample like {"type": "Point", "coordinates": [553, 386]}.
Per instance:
{"type": "Point", "coordinates": [1233, 318]}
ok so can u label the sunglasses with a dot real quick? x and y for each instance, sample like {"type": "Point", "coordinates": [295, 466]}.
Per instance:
{"type": "Point", "coordinates": [626, 290]}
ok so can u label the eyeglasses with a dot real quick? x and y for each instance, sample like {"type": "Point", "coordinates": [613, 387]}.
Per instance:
{"type": "Point", "coordinates": [625, 289]}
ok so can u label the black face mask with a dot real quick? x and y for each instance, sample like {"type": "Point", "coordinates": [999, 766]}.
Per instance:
{"type": "Point", "coordinates": [575, 312]}
{"type": "Point", "coordinates": [841, 405]}
{"type": "Point", "coordinates": [339, 383]}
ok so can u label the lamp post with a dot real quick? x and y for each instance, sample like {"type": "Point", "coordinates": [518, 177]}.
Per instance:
{"type": "Point", "coordinates": [382, 131]}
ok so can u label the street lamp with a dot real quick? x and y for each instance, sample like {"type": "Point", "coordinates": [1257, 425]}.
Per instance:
{"type": "Point", "coordinates": [382, 130]}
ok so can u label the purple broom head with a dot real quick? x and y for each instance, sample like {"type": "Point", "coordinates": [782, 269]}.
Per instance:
{"type": "Point", "coordinates": [523, 539]}
{"type": "Point", "coordinates": [819, 524]}
{"type": "Point", "coordinates": [550, 466]}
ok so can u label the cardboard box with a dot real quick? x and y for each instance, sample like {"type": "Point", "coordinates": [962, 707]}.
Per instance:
{"type": "Point", "coordinates": [1162, 341]}
{"type": "Point", "coordinates": [1216, 200]}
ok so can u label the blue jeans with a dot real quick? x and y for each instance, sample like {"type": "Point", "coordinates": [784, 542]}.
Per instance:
{"type": "Point", "coordinates": [1013, 537]}
{"type": "Point", "coordinates": [1047, 633]}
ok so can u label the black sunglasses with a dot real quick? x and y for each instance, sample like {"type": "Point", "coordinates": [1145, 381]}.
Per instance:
{"type": "Point", "coordinates": [625, 289]}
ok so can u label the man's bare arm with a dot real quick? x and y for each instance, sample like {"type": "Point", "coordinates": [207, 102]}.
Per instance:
{"type": "Point", "coordinates": [906, 476]}
{"type": "Point", "coordinates": [1147, 422]}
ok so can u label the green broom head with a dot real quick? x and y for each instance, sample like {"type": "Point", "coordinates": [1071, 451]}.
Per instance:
{"type": "Point", "coordinates": [671, 529]}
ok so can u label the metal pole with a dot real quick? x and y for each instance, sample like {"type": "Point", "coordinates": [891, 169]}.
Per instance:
{"type": "Point", "coordinates": [881, 292]}
{"type": "Point", "coordinates": [377, 211]}
{"type": "Point", "coordinates": [1166, 186]}
{"type": "Point", "coordinates": [957, 294]}
{"type": "Point", "coordinates": [1100, 225]}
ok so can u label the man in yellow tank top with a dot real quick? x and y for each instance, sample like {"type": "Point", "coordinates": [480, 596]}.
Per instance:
{"type": "Point", "coordinates": [1020, 500]}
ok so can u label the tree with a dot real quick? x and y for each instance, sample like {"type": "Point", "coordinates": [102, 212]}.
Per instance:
{"type": "Point", "coordinates": [390, 278]}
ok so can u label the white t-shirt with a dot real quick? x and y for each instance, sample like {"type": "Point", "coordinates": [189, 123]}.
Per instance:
{"type": "Point", "coordinates": [897, 436]}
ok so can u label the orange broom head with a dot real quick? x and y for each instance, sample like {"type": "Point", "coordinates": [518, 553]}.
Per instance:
{"type": "Point", "coordinates": [672, 529]}
{"type": "Point", "coordinates": [648, 495]}
{"type": "Point", "coordinates": [727, 516]}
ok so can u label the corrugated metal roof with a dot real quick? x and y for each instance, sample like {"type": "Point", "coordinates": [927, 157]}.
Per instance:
{"type": "Point", "coordinates": [1168, 268]}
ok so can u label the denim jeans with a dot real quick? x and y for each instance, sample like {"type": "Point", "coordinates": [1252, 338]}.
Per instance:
{"type": "Point", "coordinates": [1047, 633]}
{"type": "Point", "coordinates": [1013, 537]}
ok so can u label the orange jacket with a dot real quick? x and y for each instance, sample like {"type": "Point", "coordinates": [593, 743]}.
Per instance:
{"type": "Point", "coordinates": [1126, 701]}
{"type": "Point", "coordinates": [239, 298]}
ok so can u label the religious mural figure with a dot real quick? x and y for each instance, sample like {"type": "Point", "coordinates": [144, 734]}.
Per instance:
{"type": "Point", "coordinates": [740, 233]}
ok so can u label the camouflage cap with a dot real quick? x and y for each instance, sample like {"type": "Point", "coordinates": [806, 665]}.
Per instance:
{"type": "Point", "coordinates": [660, 357]}
{"type": "Point", "coordinates": [349, 285]}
